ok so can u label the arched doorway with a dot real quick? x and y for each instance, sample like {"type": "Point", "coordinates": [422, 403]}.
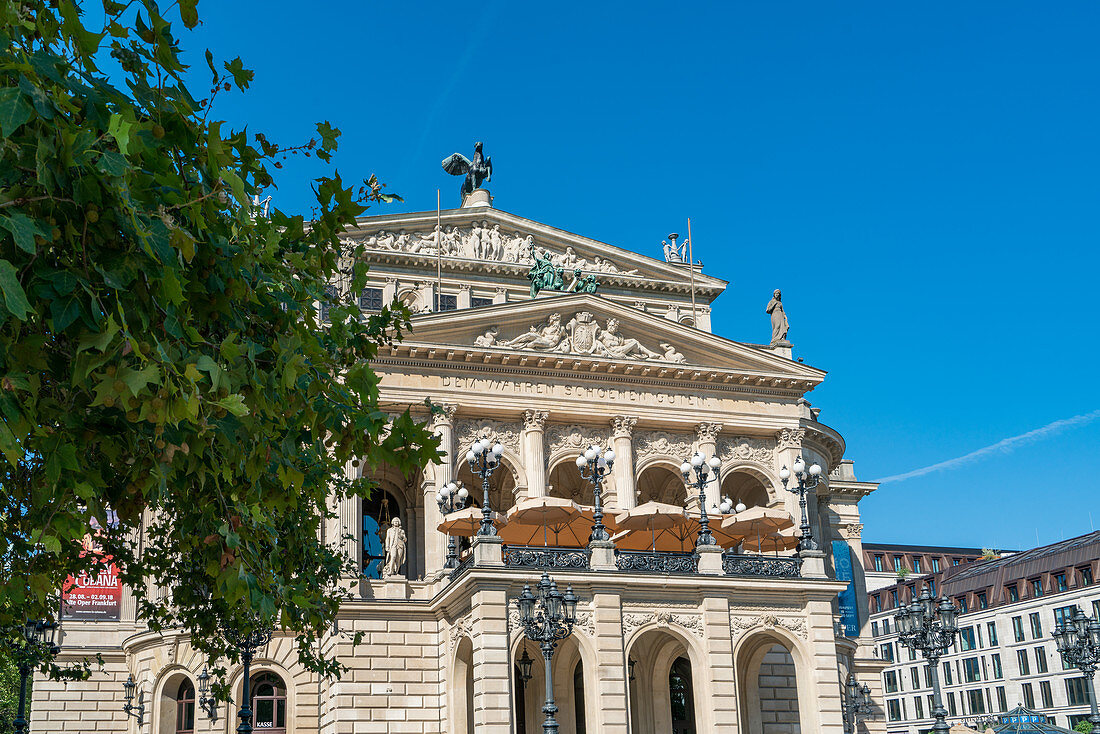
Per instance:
{"type": "Point", "coordinates": [462, 688]}
{"type": "Point", "coordinates": [661, 484]}
{"type": "Point", "coordinates": [185, 708]}
{"type": "Point", "coordinates": [768, 687]}
{"type": "Point", "coordinates": [662, 690]}
{"type": "Point", "coordinates": [743, 486]}
{"type": "Point", "coordinates": [176, 709]}
{"type": "Point", "coordinates": [573, 695]}
{"type": "Point", "coordinates": [268, 703]}
{"type": "Point", "coordinates": [579, 720]}
{"type": "Point", "coordinates": [378, 510]}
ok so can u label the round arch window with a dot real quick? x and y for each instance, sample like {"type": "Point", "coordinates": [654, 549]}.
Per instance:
{"type": "Point", "coordinates": [269, 703]}
{"type": "Point", "coordinates": [185, 708]}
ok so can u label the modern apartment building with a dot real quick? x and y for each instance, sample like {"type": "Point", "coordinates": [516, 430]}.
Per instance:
{"type": "Point", "coordinates": [1004, 654]}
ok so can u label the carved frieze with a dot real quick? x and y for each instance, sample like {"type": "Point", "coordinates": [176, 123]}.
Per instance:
{"type": "Point", "coordinates": [739, 624]}
{"type": "Point", "coordinates": [789, 438]}
{"type": "Point", "coordinates": [660, 443]}
{"type": "Point", "coordinates": [468, 431]}
{"type": "Point", "coordinates": [690, 621]}
{"type": "Point", "coordinates": [574, 437]}
{"type": "Point", "coordinates": [581, 334]}
{"type": "Point", "coordinates": [746, 448]}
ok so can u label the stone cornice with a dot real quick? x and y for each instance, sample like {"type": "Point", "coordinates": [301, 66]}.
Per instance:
{"type": "Point", "coordinates": [828, 441]}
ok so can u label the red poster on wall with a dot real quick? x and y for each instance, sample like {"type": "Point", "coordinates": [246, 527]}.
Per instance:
{"type": "Point", "coordinates": [94, 595]}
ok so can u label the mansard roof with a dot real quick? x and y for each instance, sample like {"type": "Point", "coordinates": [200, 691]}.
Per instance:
{"type": "Point", "coordinates": [586, 333]}
{"type": "Point", "coordinates": [417, 249]}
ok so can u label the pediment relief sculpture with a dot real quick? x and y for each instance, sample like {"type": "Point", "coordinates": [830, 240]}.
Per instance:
{"type": "Point", "coordinates": [581, 335]}
{"type": "Point", "coordinates": [483, 241]}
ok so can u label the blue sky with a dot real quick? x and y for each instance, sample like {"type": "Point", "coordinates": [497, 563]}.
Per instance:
{"type": "Point", "coordinates": [920, 180]}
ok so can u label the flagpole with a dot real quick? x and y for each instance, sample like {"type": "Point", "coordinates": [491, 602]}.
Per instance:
{"type": "Point", "coordinates": [691, 269]}
{"type": "Point", "coordinates": [438, 255]}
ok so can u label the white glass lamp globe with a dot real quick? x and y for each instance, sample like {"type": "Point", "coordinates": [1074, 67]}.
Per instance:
{"type": "Point", "coordinates": [714, 462]}
{"type": "Point", "coordinates": [784, 473]}
{"type": "Point", "coordinates": [470, 456]}
{"type": "Point", "coordinates": [581, 461]}
{"type": "Point", "coordinates": [697, 460]}
{"type": "Point", "coordinates": [740, 507]}
{"type": "Point", "coordinates": [590, 454]}
{"type": "Point", "coordinates": [814, 470]}
{"type": "Point", "coordinates": [799, 465]}
{"type": "Point", "coordinates": [685, 468]}
{"type": "Point", "coordinates": [463, 493]}
{"type": "Point", "coordinates": [441, 495]}
{"type": "Point", "coordinates": [498, 450]}
{"type": "Point", "coordinates": [609, 456]}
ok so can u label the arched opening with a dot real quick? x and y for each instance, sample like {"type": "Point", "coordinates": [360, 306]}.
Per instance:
{"type": "Point", "coordinates": [742, 486]}
{"type": "Point", "coordinates": [269, 702]}
{"type": "Point", "coordinates": [462, 688]}
{"type": "Point", "coordinates": [768, 687]}
{"type": "Point", "coordinates": [573, 695]}
{"type": "Point", "coordinates": [176, 711]}
{"type": "Point", "coordinates": [502, 486]}
{"type": "Point", "coordinates": [185, 708]}
{"type": "Point", "coordinates": [378, 511]}
{"type": "Point", "coordinates": [565, 481]}
{"type": "Point", "coordinates": [661, 484]}
{"type": "Point", "coordinates": [662, 690]}
{"type": "Point", "coordinates": [578, 698]}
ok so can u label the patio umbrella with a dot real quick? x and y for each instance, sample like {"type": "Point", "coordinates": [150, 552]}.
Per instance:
{"type": "Point", "coordinates": [757, 521]}
{"type": "Point", "coordinates": [725, 538]}
{"type": "Point", "coordinates": [653, 526]}
{"type": "Point", "coordinates": [534, 520]}
{"type": "Point", "coordinates": [771, 542]}
{"type": "Point", "coordinates": [465, 523]}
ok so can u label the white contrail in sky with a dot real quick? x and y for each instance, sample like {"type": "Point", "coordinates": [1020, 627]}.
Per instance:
{"type": "Point", "coordinates": [1003, 446]}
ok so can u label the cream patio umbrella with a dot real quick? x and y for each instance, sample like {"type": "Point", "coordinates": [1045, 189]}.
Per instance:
{"type": "Point", "coordinates": [757, 522]}
{"type": "Point", "coordinates": [771, 542]}
{"type": "Point", "coordinates": [652, 526]}
{"type": "Point", "coordinates": [533, 520]}
{"type": "Point", "coordinates": [466, 522]}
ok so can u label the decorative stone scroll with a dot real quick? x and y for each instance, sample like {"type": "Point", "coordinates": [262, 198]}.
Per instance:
{"type": "Point", "coordinates": [767, 620]}
{"type": "Point", "coordinates": [484, 242]}
{"type": "Point", "coordinates": [468, 431]}
{"type": "Point", "coordinates": [789, 438]}
{"type": "Point", "coordinates": [574, 436]}
{"type": "Point", "coordinates": [535, 419]}
{"type": "Point", "coordinates": [691, 622]}
{"type": "Point", "coordinates": [659, 443]}
{"type": "Point", "coordinates": [746, 448]}
{"type": "Point", "coordinates": [581, 335]}
{"type": "Point", "coordinates": [462, 627]}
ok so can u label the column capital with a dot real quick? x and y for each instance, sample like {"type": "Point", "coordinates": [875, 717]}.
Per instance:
{"type": "Point", "coordinates": [622, 426]}
{"type": "Point", "coordinates": [535, 420]}
{"type": "Point", "coordinates": [464, 287]}
{"type": "Point", "coordinates": [789, 438]}
{"type": "Point", "coordinates": [447, 417]}
{"type": "Point", "coordinates": [708, 431]}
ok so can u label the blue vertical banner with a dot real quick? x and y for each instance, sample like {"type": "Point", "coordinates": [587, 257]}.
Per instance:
{"type": "Point", "coordinates": [846, 600]}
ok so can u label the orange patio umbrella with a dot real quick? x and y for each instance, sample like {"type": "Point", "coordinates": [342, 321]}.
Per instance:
{"type": "Point", "coordinates": [534, 520]}
{"type": "Point", "coordinates": [466, 522]}
{"type": "Point", "coordinates": [653, 526]}
{"type": "Point", "coordinates": [772, 542]}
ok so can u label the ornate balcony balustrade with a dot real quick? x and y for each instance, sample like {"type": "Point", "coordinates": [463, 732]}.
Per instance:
{"type": "Point", "coordinates": [779, 567]}
{"type": "Point", "coordinates": [656, 561]}
{"type": "Point", "coordinates": [519, 556]}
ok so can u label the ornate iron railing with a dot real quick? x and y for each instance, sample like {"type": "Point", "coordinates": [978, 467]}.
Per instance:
{"type": "Point", "coordinates": [656, 561]}
{"type": "Point", "coordinates": [735, 564]}
{"type": "Point", "coordinates": [466, 562]}
{"type": "Point", "coordinates": [524, 556]}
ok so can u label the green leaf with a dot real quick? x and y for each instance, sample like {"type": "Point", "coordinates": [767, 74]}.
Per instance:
{"type": "Point", "coordinates": [119, 129]}
{"type": "Point", "coordinates": [136, 380]}
{"type": "Point", "coordinates": [189, 13]}
{"type": "Point", "coordinates": [15, 298]}
{"type": "Point", "coordinates": [234, 404]}
{"type": "Point", "coordinates": [242, 77]}
{"type": "Point", "coordinates": [14, 110]}
{"type": "Point", "coordinates": [23, 229]}
{"type": "Point", "coordinates": [63, 312]}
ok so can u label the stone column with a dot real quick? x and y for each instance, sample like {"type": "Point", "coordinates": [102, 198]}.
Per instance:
{"type": "Point", "coordinates": [534, 453]}
{"type": "Point", "coordinates": [611, 666]}
{"type": "Point", "coordinates": [622, 433]}
{"type": "Point", "coordinates": [492, 666]}
{"type": "Point", "coordinates": [435, 542]}
{"type": "Point", "coordinates": [707, 441]}
{"type": "Point", "coordinates": [501, 295]}
{"type": "Point", "coordinates": [463, 300]}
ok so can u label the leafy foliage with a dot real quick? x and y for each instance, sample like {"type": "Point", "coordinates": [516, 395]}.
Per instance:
{"type": "Point", "coordinates": [1083, 726]}
{"type": "Point", "coordinates": [163, 358]}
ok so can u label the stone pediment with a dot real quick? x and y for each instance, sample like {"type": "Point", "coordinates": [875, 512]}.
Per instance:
{"type": "Point", "coordinates": [575, 328]}
{"type": "Point", "coordinates": [491, 240]}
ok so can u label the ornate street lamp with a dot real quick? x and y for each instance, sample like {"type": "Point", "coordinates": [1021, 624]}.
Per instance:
{"type": "Point", "coordinates": [525, 663]}
{"type": "Point", "coordinates": [856, 703]}
{"type": "Point", "coordinates": [703, 468]}
{"type": "Point", "coordinates": [547, 618]}
{"type": "Point", "coordinates": [923, 625]}
{"type": "Point", "coordinates": [1078, 641]}
{"type": "Point", "coordinates": [484, 458]}
{"type": "Point", "coordinates": [451, 498]}
{"type": "Point", "coordinates": [38, 639]}
{"type": "Point", "coordinates": [595, 467]}
{"type": "Point", "coordinates": [807, 481]}
{"type": "Point", "coordinates": [248, 643]}
{"type": "Point", "coordinates": [138, 711]}
{"type": "Point", "coordinates": [207, 702]}
{"type": "Point", "coordinates": [630, 663]}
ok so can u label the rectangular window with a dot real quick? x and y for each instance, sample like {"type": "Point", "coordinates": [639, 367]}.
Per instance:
{"type": "Point", "coordinates": [918, 707]}
{"type": "Point", "coordinates": [1060, 582]}
{"type": "Point", "coordinates": [878, 603]}
{"type": "Point", "coordinates": [897, 563]}
{"type": "Point", "coordinates": [914, 677]}
{"type": "Point", "coordinates": [894, 599]}
{"type": "Point", "coordinates": [1036, 588]}
{"type": "Point", "coordinates": [370, 299]}
{"type": "Point", "coordinates": [477, 302]}
{"type": "Point", "coordinates": [1029, 696]}
{"type": "Point", "coordinates": [1036, 626]}
{"type": "Point", "coordinates": [878, 563]}
{"type": "Point", "coordinates": [935, 565]}
{"type": "Point", "coordinates": [1018, 628]}
{"type": "Point", "coordinates": [890, 681]}
{"type": "Point", "coordinates": [1096, 609]}
{"type": "Point", "coordinates": [446, 302]}
{"type": "Point", "coordinates": [951, 709]}
{"type": "Point", "coordinates": [932, 586]}
{"type": "Point", "coordinates": [1002, 699]}
{"type": "Point", "coordinates": [983, 600]}
{"type": "Point", "coordinates": [874, 629]}
{"type": "Point", "coordinates": [963, 606]}
{"type": "Point", "coordinates": [956, 561]}
{"type": "Point", "coordinates": [975, 701]}
{"type": "Point", "coordinates": [1025, 665]}
{"type": "Point", "coordinates": [991, 631]}
{"type": "Point", "coordinates": [886, 626]}
{"type": "Point", "coordinates": [1077, 691]}
{"type": "Point", "coordinates": [1045, 694]}
{"type": "Point", "coordinates": [927, 676]}
{"type": "Point", "coordinates": [1062, 615]}
{"type": "Point", "coordinates": [1040, 660]}
{"type": "Point", "coordinates": [1012, 591]}
{"type": "Point", "coordinates": [887, 651]}
{"type": "Point", "coordinates": [971, 673]}
{"type": "Point", "coordinates": [966, 639]}
{"type": "Point", "coordinates": [947, 673]}
{"type": "Point", "coordinates": [998, 673]}
{"type": "Point", "coordinates": [1084, 576]}
{"type": "Point", "coordinates": [893, 708]}
{"type": "Point", "coordinates": [916, 569]}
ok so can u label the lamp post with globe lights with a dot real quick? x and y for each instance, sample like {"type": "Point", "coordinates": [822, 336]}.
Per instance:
{"type": "Point", "coordinates": [484, 458]}
{"type": "Point", "coordinates": [807, 480]}
{"type": "Point", "coordinates": [547, 617]}
{"type": "Point", "coordinates": [1078, 641]}
{"type": "Point", "coordinates": [248, 643]}
{"type": "Point", "coordinates": [930, 627]}
{"type": "Point", "coordinates": [595, 468]}
{"type": "Point", "coordinates": [856, 703]}
{"type": "Point", "coordinates": [38, 644]}
{"type": "Point", "coordinates": [451, 498]}
{"type": "Point", "coordinates": [703, 468]}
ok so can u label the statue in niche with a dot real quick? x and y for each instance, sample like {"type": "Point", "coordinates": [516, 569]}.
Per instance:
{"type": "Point", "coordinates": [547, 337]}
{"type": "Point", "coordinates": [779, 320]}
{"type": "Point", "coordinates": [488, 339]}
{"type": "Point", "coordinates": [671, 355]}
{"type": "Point", "coordinates": [396, 541]}
{"type": "Point", "coordinates": [476, 171]}
{"type": "Point", "coordinates": [616, 345]}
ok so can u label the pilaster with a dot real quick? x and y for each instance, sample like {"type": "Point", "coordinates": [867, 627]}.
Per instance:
{"type": "Point", "coordinates": [720, 689]}
{"type": "Point", "coordinates": [610, 678]}
{"type": "Point", "coordinates": [622, 435]}
{"type": "Point", "coordinates": [435, 542]}
{"type": "Point", "coordinates": [707, 441]}
{"type": "Point", "coordinates": [534, 452]}
{"type": "Point", "coordinates": [492, 667]}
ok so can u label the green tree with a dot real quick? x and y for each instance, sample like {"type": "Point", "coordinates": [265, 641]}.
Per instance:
{"type": "Point", "coordinates": [164, 360]}
{"type": "Point", "coordinates": [1083, 726]}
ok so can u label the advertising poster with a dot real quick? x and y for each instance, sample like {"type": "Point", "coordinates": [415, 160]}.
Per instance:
{"type": "Point", "coordinates": [95, 595]}
{"type": "Point", "coordinates": [849, 612]}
